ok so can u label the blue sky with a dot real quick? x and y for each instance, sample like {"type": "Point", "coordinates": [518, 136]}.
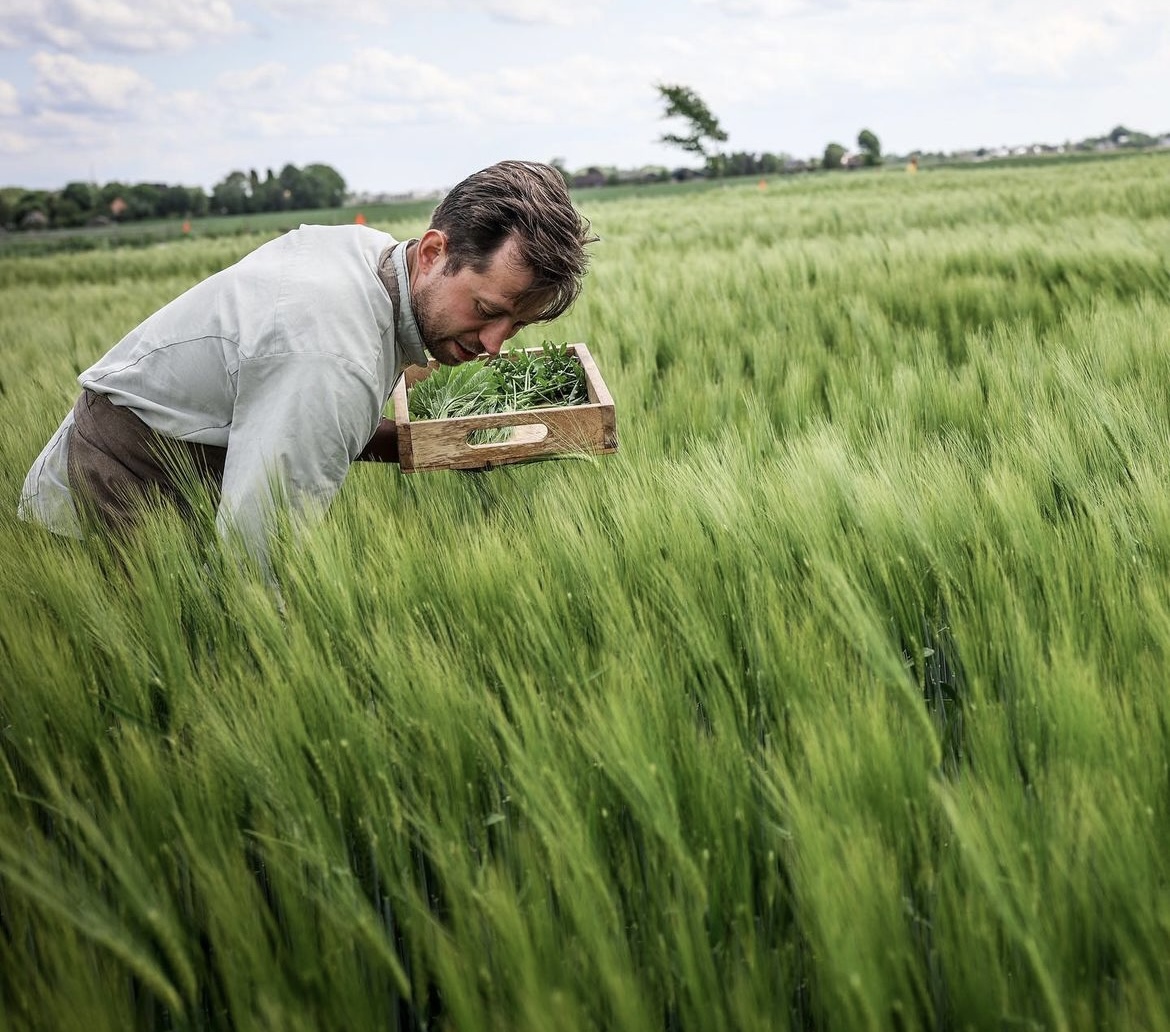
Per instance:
{"type": "Point", "coordinates": [411, 97]}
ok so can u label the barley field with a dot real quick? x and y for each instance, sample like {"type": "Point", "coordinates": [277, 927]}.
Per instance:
{"type": "Point", "coordinates": [835, 700]}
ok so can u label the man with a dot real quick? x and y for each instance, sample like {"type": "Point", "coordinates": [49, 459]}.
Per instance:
{"type": "Point", "coordinates": [267, 380]}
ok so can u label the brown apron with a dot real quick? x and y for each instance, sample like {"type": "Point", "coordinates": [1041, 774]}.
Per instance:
{"type": "Point", "coordinates": [117, 464]}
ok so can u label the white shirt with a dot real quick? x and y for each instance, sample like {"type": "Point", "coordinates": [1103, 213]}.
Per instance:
{"type": "Point", "coordinates": [286, 359]}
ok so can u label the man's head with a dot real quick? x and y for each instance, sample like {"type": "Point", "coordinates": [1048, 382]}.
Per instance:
{"type": "Point", "coordinates": [506, 247]}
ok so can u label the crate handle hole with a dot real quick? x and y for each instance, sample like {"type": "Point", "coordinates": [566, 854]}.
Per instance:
{"type": "Point", "coordinates": [526, 433]}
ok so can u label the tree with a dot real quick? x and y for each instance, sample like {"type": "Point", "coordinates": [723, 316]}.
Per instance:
{"type": "Point", "coordinates": [84, 195]}
{"type": "Point", "coordinates": [175, 200]}
{"type": "Point", "coordinates": [67, 213]}
{"type": "Point", "coordinates": [869, 146]}
{"type": "Point", "coordinates": [770, 162]}
{"type": "Point", "coordinates": [314, 186]}
{"type": "Point", "coordinates": [834, 152]}
{"type": "Point", "coordinates": [113, 200]}
{"type": "Point", "coordinates": [198, 203]}
{"type": "Point", "coordinates": [231, 197]}
{"type": "Point", "coordinates": [328, 187]}
{"type": "Point", "coordinates": [144, 199]}
{"type": "Point", "coordinates": [683, 102]}
{"type": "Point", "coordinates": [30, 202]}
{"type": "Point", "coordinates": [76, 204]}
{"type": "Point", "coordinates": [268, 194]}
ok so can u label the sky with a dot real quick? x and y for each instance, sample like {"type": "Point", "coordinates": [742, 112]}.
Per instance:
{"type": "Point", "coordinates": [411, 97]}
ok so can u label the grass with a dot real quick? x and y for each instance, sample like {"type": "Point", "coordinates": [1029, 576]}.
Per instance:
{"type": "Point", "coordinates": [834, 699]}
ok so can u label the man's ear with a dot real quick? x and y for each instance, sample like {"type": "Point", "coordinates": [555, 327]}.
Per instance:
{"type": "Point", "coordinates": [432, 249]}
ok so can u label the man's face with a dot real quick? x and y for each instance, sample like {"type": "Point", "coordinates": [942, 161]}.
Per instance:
{"type": "Point", "coordinates": [466, 314]}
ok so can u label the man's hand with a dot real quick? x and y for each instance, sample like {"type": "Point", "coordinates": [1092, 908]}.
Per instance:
{"type": "Point", "coordinates": [383, 446]}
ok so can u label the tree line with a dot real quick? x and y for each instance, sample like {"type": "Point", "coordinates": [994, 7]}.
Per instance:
{"type": "Point", "coordinates": [85, 204]}
{"type": "Point", "coordinates": [701, 131]}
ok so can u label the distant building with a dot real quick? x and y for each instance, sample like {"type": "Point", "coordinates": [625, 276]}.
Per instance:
{"type": "Point", "coordinates": [592, 176]}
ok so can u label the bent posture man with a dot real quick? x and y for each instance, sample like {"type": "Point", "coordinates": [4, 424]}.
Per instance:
{"type": "Point", "coordinates": [269, 379]}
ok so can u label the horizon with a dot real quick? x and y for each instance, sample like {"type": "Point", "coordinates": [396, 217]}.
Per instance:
{"type": "Point", "coordinates": [369, 196]}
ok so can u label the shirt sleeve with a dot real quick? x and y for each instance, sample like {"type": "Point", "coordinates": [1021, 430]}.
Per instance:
{"type": "Point", "coordinates": [298, 422]}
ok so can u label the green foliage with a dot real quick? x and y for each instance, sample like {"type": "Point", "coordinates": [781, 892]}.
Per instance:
{"type": "Point", "coordinates": [1120, 136]}
{"type": "Point", "coordinates": [835, 699]}
{"type": "Point", "coordinates": [510, 382]}
{"type": "Point", "coordinates": [322, 187]}
{"type": "Point", "coordinates": [870, 147]}
{"type": "Point", "coordinates": [232, 195]}
{"type": "Point", "coordinates": [83, 195]}
{"type": "Point", "coordinates": [683, 102]}
{"type": "Point", "coordinates": [532, 378]}
{"type": "Point", "coordinates": [744, 163]}
{"type": "Point", "coordinates": [452, 391]}
{"type": "Point", "coordinates": [314, 186]}
{"type": "Point", "coordinates": [79, 204]}
{"type": "Point", "coordinates": [834, 154]}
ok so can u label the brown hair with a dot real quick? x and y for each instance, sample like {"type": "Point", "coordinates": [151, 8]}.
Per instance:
{"type": "Point", "coordinates": [528, 201]}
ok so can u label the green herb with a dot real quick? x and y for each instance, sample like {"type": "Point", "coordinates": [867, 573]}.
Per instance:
{"type": "Point", "coordinates": [509, 382]}
{"type": "Point", "coordinates": [453, 391]}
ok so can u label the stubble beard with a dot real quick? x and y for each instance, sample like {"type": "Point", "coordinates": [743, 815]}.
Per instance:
{"type": "Point", "coordinates": [422, 304]}
{"type": "Point", "coordinates": [444, 350]}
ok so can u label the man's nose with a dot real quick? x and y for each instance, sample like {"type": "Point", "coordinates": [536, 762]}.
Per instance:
{"type": "Point", "coordinates": [493, 335]}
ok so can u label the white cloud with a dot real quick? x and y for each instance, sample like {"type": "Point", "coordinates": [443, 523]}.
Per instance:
{"type": "Point", "coordinates": [75, 125]}
{"type": "Point", "coordinates": [377, 90]}
{"type": "Point", "coordinates": [15, 143]}
{"type": "Point", "coordinates": [771, 8]}
{"type": "Point", "coordinates": [875, 45]}
{"type": "Point", "coordinates": [392, 12]}
{"type": "Point", "coordinates": [579, 89]}
{"type": "Point", "coordinates": [372, 90]}
{"type": "Point", "coordinates": [261, 78]}
{"type": "Point", "coordinates": [9, 104]}
{"type": "Point", "coordinates": [905, 11]}
{"type": "Point", "coordinates": [545, 12]}
{"type": "Point", "coordinates": [1048, 48]}
{"type": "Point", "coordinates": [376, 73]}
{"type": "Point", "coordinates": [30, 21]}
{"type": "Point", "coordinates": [65, 83]}
{"type": "Point", "coordinates": [378, 12]}
{"type": "Point", "coordinates": [117, 25]}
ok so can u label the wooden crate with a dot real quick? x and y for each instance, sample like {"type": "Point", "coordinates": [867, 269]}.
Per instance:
{"type": "Point", "coordinates": [539, 433]}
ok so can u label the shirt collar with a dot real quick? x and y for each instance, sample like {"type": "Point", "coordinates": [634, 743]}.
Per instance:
{"type": "Point", "coordinates": [406, 331]}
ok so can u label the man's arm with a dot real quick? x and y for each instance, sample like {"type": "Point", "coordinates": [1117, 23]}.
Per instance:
{"type": "Point", "coordinates": [383, 446]}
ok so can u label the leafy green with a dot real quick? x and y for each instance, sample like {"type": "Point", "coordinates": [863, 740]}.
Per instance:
{"type": "Point", "coordinates": [509, 382]}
